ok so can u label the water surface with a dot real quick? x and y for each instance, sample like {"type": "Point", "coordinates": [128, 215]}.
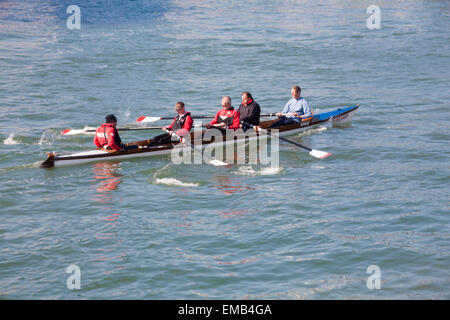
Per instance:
{"type": "Point", "coordinates": [149, 229]}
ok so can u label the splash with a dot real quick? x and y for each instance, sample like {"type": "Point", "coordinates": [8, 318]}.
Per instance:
{"type": "Point", "coordinates": [344, 121]}
{"type": "Point", "coordinates": [47, 138]}
{"type": "Point", "coordinates": [10, 140]}
{"type": "Point", "coordinates": [319, 129]}
{"type": "Point", "coordinates": [265, 171]}
{"type": "Point", "coordinates": [348, 117]}
{"type": "Point", "coordinates": [170, 181]}
{"type": "Point", "coordinates": [175, 182]}
{"type": "Point", "coordinates": [125, 116]}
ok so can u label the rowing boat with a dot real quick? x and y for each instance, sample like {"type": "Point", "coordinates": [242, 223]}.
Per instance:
{"type": "Point", "coordinates": [54, 159]}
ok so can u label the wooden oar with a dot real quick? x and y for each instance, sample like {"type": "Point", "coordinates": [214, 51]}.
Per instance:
{"type": "Point", "coordinates": [145, 119]}
{"type": "Point", "coordinates": [315, 153]}
{"type": "Point", "coordinates": [213, 161]}
{"type": "Point", "coordinates": [283, 114]}
{"type": "Point", "coordinates": [70, 132]}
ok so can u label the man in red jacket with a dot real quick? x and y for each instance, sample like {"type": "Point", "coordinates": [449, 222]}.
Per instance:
{"type": "Point", "coordinates": [107, 136]}
{"type": "Point", "coordinates": [181, 125]}
{"type": "Point", "coordinates": [227, 118]}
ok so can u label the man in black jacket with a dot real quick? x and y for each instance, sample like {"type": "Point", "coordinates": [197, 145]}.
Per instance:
{"type": "Point", "coordinates": [249, 110]}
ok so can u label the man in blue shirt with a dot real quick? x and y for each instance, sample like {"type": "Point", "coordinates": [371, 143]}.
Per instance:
{"type": "Point", "coordinates": [295, 109]}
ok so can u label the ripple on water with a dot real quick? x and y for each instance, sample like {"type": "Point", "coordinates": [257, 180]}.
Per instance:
{"type": "Point", "coordinates": [146, 228]}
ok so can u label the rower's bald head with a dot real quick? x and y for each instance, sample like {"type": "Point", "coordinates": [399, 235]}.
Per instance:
{"type": "Point", "coordinates": [226, 102]}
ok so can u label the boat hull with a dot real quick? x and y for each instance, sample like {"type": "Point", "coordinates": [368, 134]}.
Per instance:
{"type": "Point", "coordinates": [99, 155]}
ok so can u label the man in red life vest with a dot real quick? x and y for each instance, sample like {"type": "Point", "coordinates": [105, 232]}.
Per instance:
{"type": "Point", "coordinates": [107, 136]}
{"type": "Point", "coordinates": [181, 125]}
{"type": "Point", "coordinates": [227, 118]}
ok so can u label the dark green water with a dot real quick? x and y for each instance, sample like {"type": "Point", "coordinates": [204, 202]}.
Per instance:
{"type": "Point", "coordinates": [147, 228]}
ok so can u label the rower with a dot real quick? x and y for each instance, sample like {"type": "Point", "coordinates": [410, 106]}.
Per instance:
{"type": "Point", "coordinates": [181, 125]}
{"type": "Point", "coordinates": [249, 110]}
{"type": "Point", "coordinates": [108, 138]}
{"type": "Point", "coordinates": [227, 118]}
{"type": "Point", "coordinates": [296, 109]}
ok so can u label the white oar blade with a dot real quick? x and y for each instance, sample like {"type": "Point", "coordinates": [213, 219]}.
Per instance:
{"type": "Point", "coordinates": [147, 119]}
{"type": "Point", "coordinates": [70, 132]}
{"type": "Point", "coordinates": [319, 154]}
{"type": "Point", "coordinates": [218, 163]}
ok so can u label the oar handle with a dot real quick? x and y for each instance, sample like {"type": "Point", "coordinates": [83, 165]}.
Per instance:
{"type": "Point", "coordinates": [268, 115]}
{"type": "Point", "coordinates": [173, 134]}
{"type": "Point", "coordinates": [70, 132]}
{"type": "Point", "coordinates": [203, 117]}
{"type": "Point", "coordinates": [193, 117]}
{"type": "Point", "coordinates": [133, 129]}
{"type": "Point", "coordinates": [276, 114]}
